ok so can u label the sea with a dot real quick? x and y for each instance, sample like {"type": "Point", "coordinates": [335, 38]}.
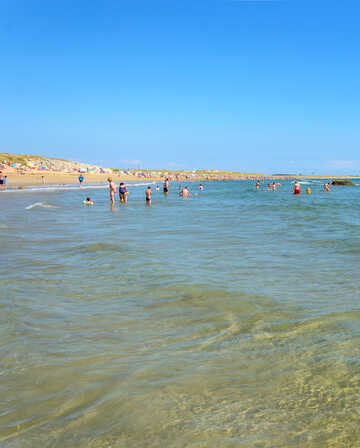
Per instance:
{"type": "Point", "coordinates": [229, 319]}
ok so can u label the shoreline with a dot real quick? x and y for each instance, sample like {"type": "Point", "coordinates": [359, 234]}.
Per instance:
{"type": "Point", "coordinates": [20, 181]}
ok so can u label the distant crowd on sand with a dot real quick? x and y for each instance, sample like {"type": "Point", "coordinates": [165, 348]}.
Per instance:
{"type": "Point", "coordinates": [297, 187]}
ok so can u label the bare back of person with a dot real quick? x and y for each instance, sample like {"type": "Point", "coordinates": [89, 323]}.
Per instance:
{"type": "Point", "coordinates": [185, 192]}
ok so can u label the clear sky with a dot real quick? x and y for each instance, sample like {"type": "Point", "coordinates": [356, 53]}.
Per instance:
{"type": "Point", "coordinates": [271, 86]}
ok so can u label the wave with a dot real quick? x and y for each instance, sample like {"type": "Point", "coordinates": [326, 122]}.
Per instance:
{"type": "Point", "coordinates": [70, 187]}
{"type": "Point", "coordinates": [40, 204]}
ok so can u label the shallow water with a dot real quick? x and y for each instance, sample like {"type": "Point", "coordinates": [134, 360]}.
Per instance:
{"type": "Point", "coordinates": [230, 319]}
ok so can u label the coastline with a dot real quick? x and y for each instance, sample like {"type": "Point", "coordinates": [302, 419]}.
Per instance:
{"type": "Point", "coordinates": [16, 180]}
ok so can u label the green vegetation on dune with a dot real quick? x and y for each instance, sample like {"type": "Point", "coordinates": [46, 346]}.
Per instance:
{"type": "Point", "coordinates": [23, 158]}
{"type": "Point", "coordinates": [218, 173]}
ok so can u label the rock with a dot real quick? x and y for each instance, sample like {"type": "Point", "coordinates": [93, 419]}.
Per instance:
{"type": "Point", "coordinates": [342, 182]}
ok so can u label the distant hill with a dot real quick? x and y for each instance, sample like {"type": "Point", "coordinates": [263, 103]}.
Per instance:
{"type": "Point", "coordinates": [24, 158]}
{"type": "Point", "coordinates": [35, 161]}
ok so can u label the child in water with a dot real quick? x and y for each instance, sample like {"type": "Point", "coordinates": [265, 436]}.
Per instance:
{"type": "Point", "coordinates": [297, 189]}
{"type": "Point", "coordinates": [123, 192]}
{"type": "Point", "coordinates": [148, 195]}
{"type": "Point", "coordinates": [88, 202]}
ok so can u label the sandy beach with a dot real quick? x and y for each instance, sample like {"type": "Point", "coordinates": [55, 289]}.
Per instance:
{"type": "Point", "coordinates": [16, 180]}
{"type": "Point", "coordinates": [28, 171]}
{"type": "Point", "coordinates": [52, 178]}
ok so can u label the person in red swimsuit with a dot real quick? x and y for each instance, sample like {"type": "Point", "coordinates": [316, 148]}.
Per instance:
{"type": "Point", "coordinates": [297, 189]}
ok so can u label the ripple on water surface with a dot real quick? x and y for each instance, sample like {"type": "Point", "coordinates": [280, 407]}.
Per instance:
{"type": "Point", "coordinates": [194, 323]}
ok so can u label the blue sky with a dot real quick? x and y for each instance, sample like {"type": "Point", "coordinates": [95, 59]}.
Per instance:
{"type": "Point", "coordinates": [271, 86]}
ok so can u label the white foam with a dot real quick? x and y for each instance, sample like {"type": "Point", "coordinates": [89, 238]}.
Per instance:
{"type": "Point", "coordinates": [40, 204]}
{"type": "Point", "coordinates": [70, 187]}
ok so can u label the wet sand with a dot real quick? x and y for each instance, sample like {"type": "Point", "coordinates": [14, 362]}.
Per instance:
{"type": "Point", "coordinates": [54, 178]}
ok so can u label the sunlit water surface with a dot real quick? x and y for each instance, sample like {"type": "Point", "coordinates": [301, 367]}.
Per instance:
{"type": "Point", "coordinates": [231, 319]}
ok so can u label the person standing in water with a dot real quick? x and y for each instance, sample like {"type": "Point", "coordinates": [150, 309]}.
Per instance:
{"type": "Point", "coordinates": [148, 195]}
{"type": "Point", "coordinates": [185, 193]}
{"type": "Point", "coordinates": [112, 190]}
{"type": "Point", "coordinates": [327, 187]}
{"type": "Point", "coordinates": [273, 186]}
{"type": "Point", "coordinates": [123, 192]}
{"type": "Point", "coordinates": [257, 186]}
{"type": "Point", "coordinates": [297, 189]}
{"type": "Point", "coordinates": [166, 186]}
{"type": "Point", "coordinates": [201, 187]}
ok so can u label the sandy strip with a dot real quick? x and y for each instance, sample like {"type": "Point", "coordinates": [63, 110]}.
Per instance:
{"type": "Point", "coordinates": [16, 180]}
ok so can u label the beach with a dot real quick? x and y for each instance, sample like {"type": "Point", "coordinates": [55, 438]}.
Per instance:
{"type": "Point", "coordinates": [32, 179]}
{"type": "Point", "coordinates": [55, 178]}
{"type": "Point", "coordinates": [29, 171]}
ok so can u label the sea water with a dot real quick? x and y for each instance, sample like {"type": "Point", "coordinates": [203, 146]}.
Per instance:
{"type": "Point", "coordinates": [231, 319]}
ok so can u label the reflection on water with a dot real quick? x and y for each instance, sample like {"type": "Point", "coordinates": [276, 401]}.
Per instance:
{"type": "Point", "coordinates": [230, 319]}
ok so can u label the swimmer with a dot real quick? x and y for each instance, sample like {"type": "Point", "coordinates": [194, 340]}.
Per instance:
{"type": "Point", "coordinates": [123, 192]}
{"type": "Point", "coordinates": [201, 187]}
{"type": "Point", "coordinates": [308, 190]}
{"type": "Point", "coordinates": [88, 201]}
{"type": "Point", "coordinates": [257, 186]}
{"type": "Point", "coordinates": [185, 193]}
{"type": "Point", "coordinates": [273, 187]}
{"type": "Point", "coordinates": [166, 186]}
{"type": "Point", "coordinates": [148, 195]}
{"type": "Point", "coordinates": [112, 190]}
{"type": "Point", "coordinates": [297, 189]}
{"type": "Point", "coordinates": [157, 188]}
{"type": "Point", "coordinates": [327, 187]}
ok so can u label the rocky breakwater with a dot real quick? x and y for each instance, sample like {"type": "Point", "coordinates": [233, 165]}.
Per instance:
{"type": "Point", "coordinates": [343, 182]}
